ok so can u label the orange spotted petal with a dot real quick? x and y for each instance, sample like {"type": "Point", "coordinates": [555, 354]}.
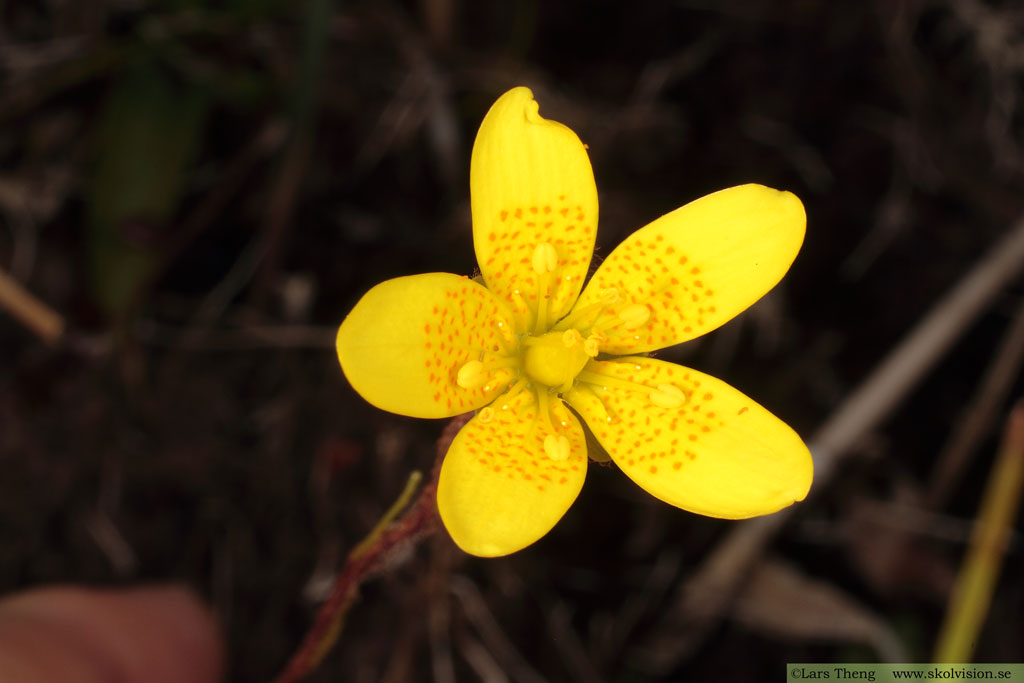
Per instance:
{"type": "Point", "coordinates": [404, 344]}
{"type": "Point", "coordinates": [692, 440]}
{"type": "Point", "coordinates": [510, 475]}
{"type": "Point", "coordinates": [534, 206]}
{"type": "Point", "coordinates": [694, 269]}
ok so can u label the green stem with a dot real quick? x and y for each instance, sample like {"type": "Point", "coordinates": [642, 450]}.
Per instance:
{"type": "Point", "coordinates": [976, 582]}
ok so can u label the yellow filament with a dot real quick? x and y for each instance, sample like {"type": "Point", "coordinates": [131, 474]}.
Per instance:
{"type": "Point", "coordinates": [541, 324]}
{"type": "Point", "coordinates": [503, 343]}
{"type": "Point", "coordinates": [513, 392]}
{"type": "Point", "coordinates": [592, 312]}
{"type": "Point", "coordinates": [559, 411]}
{"type": "Point", "coordinates": [602, 380]}
{"type": "Point", "coordinates": [608, 416]}
{"type": "Point", "coordinates": [520, 309]}
{"type": "Point", "coordinates": [544, 408]}
{"type": "Point", "coordinates": [545, 262]}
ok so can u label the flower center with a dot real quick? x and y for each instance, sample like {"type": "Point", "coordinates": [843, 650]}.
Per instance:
{"type": "Point", "coordinates": [555, 358]}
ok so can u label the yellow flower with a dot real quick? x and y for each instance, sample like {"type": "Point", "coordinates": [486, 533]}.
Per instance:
{"type": "Point", "coordinates": [533, 355]}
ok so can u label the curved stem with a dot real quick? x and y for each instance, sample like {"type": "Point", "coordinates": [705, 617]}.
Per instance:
{"type": "Point", "coordinates": [419, 521]}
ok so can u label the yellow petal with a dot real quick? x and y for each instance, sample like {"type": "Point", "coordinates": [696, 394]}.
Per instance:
{"type": "Point", "coordinates": [692, 440]}
{"type": "Point", "coordinates": [534, 205]}
{"type": "Point", "coordinates": [696, 268]}
{"type": "Point", "coordinates": [404, 343]}
{"type": "Point", "coordinates": [509, 476]}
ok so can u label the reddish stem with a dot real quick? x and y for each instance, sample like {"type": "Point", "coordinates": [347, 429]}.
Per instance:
{"type": "Point", "coordinates": [419, 521]}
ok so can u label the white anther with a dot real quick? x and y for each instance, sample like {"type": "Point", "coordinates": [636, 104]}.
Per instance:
{"type": "Point", "coordinates": [557, 447]}
{"type": "Point", "coordinates": [667, 396]}
{"type": "Point", "coordinates": [545, 258]}
{"type": "Point", "coordinates": [471, 375]}
{"type": "Point", "coordinates": [634, 315]}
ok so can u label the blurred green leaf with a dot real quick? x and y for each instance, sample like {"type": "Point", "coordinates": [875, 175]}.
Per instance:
{"type": "Point", "coordinates": [146, 139]}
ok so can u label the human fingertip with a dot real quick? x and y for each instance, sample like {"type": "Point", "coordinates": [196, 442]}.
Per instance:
{"type": "Point", "coordinates": [158, 634]}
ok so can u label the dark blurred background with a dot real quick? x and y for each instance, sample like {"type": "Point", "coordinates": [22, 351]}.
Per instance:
{"type": "Point", "coordinates": [203, 190]}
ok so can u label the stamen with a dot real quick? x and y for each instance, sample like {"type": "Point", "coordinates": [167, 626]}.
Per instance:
{"type": "Point", "coordinates": [475, 374]}
{"type": "Point", "coordinates": [592, 346]}
{"type": "Point", "coordinates": [601, 380]}
{"type": "Point", "coordinates": [544, 408]}
{"type": "Point", "coordinates": [609, 296]}
{"type": "Point", "coordinates": [485, 414]}
{"type": "Point", "coordinates": [571, 338]}
{"type": "Point", "coordinates": [519, 310]}
{"type": "Point", "coordinates": [667, 396]}
{"type": "Point", "coordinates": [557, 447]}
{"type": "Point", "coordinates": [545, 258]}
{"type": "Point", "coordinates": [471, 375]}
{"type": "Point", "coordinates": [503, 343]}
{"type": "Point", "coordinates": [608, 415]}
{"type": "Point", "coordinates": [634, 315]}
{"type": "Point", "coordinates": [507, 397]}
{"type": "Point", "coordinates": [592, 312]}
{"type": "Point", "coordinates": [560, 412]}
{"type": "Point", "coordinates": [545, 261]}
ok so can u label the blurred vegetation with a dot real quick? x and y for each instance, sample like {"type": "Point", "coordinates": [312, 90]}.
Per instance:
{"type": "Point", "coordinates": [203, 190]}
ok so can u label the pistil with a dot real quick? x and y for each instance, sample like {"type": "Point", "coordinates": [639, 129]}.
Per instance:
{"type": "Point", "coordinates": [555, 358]}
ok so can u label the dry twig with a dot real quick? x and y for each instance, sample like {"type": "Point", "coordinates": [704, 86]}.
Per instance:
{"type": "Point", "coordinates": [980, 413]}
{"type": "Point", "coordinates": [46, 323]}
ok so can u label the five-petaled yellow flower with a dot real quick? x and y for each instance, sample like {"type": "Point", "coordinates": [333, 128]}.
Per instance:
{"type": "Point", "coordinates": [533, 355]}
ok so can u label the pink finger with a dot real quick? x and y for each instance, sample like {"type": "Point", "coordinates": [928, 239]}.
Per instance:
{"type": "Point", "coordinates": [74, 635]}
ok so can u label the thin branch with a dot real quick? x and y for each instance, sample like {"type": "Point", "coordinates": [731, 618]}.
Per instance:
{"type": "Point", "coordinates": [46, 323]}
{"type": "Point", "coordinates": [981, 412]}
